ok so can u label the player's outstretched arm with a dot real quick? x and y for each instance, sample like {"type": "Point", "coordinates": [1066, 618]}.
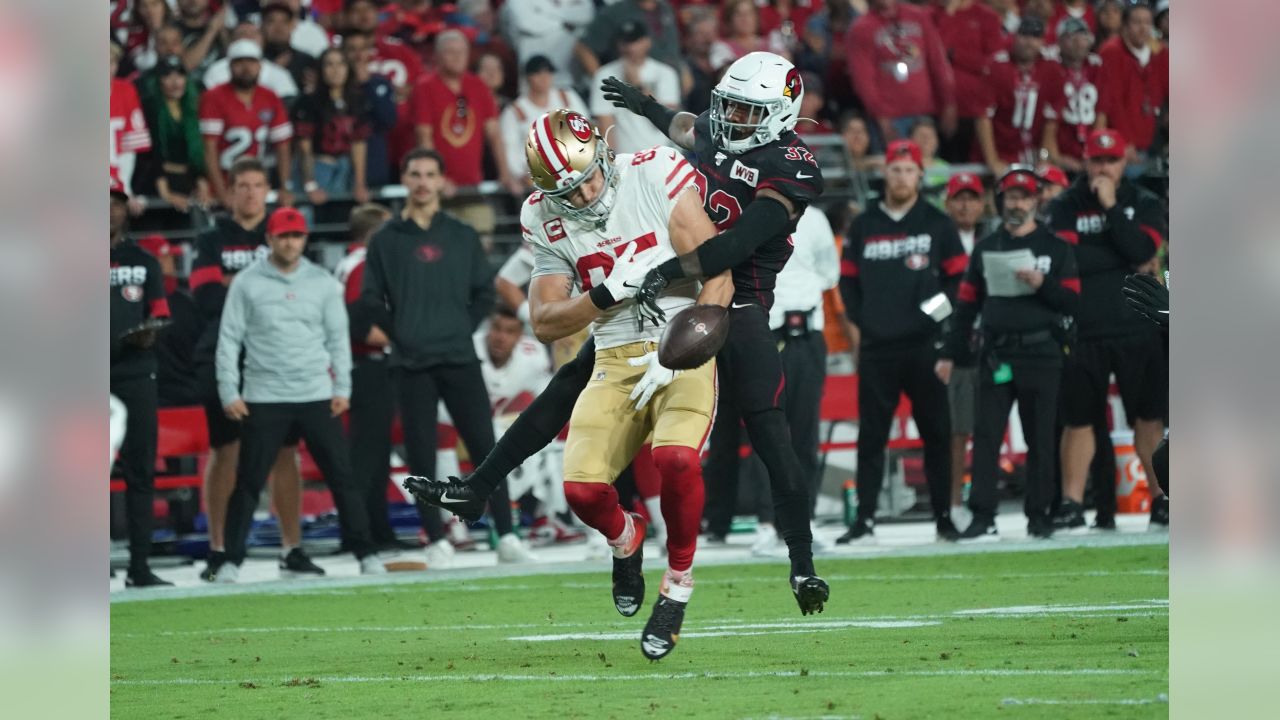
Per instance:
{"type": "Point", "coordinates": [676, 125]}
{"type": "Point", "coordinates": [689, 227]}
{"type": "Point", "coordinates": [769, 215]}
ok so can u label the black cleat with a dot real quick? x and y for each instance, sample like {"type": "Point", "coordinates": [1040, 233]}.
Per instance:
{"type": "Point", "coordinates": [143, 577]}
{"type": "Point", "coordinates": [663, 629]}
{"type": "Point", "coordinates": [216, 560]}
{"type": "Point", "coordinates": [628, 583]}
{"type": "Point", "coordinates": [298, 564]}
{"type": "Point", "coordinates": [980, 531]}
{"type": "Point", "coordinates": [1041, 527]}
{"type": "Point", "coordinates": [947, 531]}
{"type": "Point", "coordinates": [453, 495]}
{"type": "Point", "coordinates": [1160, 512]}
{"type": "Point", "coordinates": [862, 530]}
{"type": "Point", "coordinates": [1070, 516]}
{"type": "Point", "coordinates": [811, 592]}
{"type": "Point", "coordinates": [1104, 522]}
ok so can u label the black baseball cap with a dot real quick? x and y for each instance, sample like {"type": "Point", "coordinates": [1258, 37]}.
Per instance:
{"type": "Point", "coordinates": [632, 30]}
{"type": "Point", "coordinates": [537, 64]}
{"type": "Point", "coordinates": [1031, 26]}
{"type": "Point", "coordinates": [170, 64]}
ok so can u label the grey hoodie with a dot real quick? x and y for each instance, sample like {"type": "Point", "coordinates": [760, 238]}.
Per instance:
{"type": "Point", "coordinates": [293, 328]}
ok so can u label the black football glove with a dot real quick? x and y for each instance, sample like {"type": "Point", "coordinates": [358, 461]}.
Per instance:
{"type": "Point", "coordinates": [625, 95]}
{"type": "Point", "coordinates": [647, 298]}
{"type": "Point", "coordinates": [1148, 297]}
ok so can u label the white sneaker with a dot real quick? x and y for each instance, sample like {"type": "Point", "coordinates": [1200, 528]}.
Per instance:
{"type": "Point", "coordinates": [961, 516]}
{"type": "Point", "coordinates": [228, 573]}
{"type": "Point", "coordinates": [440, 555]}
{"type": "Point", "coordinates": [597, 547]}
{"type": "Point", "coordinates": [819, 545]}
{"type": "Point", "coordinates": [372, 565]}
{"type": "Point", "coordinates": [766, 542]}
{"type": "Point", "coordinates": [511, 549]}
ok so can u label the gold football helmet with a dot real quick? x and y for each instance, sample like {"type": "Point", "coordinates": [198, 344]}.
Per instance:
{"type": "Point", "coordinates": [564, 150]}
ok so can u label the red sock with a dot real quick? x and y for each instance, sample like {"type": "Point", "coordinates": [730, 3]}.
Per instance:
{"type": "Point", "coordinates": [682, 498]}
{"type": "Point", "coordinates": [596, 504]}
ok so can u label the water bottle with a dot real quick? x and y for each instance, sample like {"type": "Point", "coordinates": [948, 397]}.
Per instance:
{"type": "Point", "coordinates": [850, 502]}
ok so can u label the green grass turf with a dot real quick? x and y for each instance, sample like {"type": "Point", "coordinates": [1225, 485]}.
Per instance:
{"type": "Point", "coordinates": [418, 650]}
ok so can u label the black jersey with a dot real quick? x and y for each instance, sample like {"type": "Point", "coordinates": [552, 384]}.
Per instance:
{"type": "Point", "coordinates": [137, 293]}
{"type": "Point", "coordinates": [730, 182]}
{"type": "Point", "coordinates": [221, 251]}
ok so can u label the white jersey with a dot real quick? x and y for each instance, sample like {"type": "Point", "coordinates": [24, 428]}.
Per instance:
{"type": "Point", "coordinates": [528, 370]}
{"type": "Point", "coordinates": [649, 184]}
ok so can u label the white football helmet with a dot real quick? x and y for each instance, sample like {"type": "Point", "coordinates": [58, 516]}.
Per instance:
{"type": "Point", "coordinates": [766, 90]}
{"type": "Point", "coordinates": [564, 150]}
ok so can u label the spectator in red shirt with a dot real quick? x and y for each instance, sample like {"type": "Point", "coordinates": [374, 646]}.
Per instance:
{"type": "Point", "coordinates": [240, 119]}
{"type": "Point", "coordinates": [972, 35]}
{"type": "Point", "coordinates": [332, 125]}
{"type": "Point", "coordinates": [129, 134]}
{"type": "Point", "coordinates": [1080, 71]}
{"type": "Point", "coordinates": [1134, 81]}
{"type": "Point", "coordinates": [455, 114]}
{"type": "Point", "coordinates": [899, 68]}
{"type": "Point", "coordinates": [1025, 97]}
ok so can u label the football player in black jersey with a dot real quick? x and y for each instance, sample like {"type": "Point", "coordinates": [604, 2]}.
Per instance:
{"type": "Point", "coordinates": [756, 176]}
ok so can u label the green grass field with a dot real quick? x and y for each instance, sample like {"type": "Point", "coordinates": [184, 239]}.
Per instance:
{"type": "Point", "coordinates": [1059, 633]}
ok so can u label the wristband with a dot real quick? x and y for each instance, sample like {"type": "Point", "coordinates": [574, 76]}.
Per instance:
{"type": "Point", "coordinates": [601, 297]}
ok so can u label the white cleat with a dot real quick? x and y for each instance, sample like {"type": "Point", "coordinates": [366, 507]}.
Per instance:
{"type": "Point", "coordinates": [372, 565]}
{"type": "Point", "coordinates": [440, 555]}
{"type": "Point", "coordinates": [511, 549]}
{"type": "Point", "coordinates": [766, 543]}
{"type": "Point", "coordinates": [229, 573]}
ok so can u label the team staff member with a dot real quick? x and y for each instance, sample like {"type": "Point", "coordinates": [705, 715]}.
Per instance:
{"type": "Point", "coordinates": [899, 255]}
{"type": "Point", "coordinates": [231, 245]}
{"type": "Point", "coordinates": [430, 271]}
{"type": "Point", "coordinates": [137, 294]}
{"type": "Point", "coordinates": [372, 396]}
{"type": "Point", "coordinates": [1116, 227]}
{"type": "Point", "coordinates": [1022, 352]}
{"type": "Point", "coordinates": [287, 315]}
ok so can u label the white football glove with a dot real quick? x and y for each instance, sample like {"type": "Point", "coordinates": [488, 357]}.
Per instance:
{"type": "Point", "coordinates": [624, 280]}
{"type": "Point", "coordinates": [655, 378]}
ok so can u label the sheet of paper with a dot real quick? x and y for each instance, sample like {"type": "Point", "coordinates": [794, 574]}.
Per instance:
{"type": "Point", "coordinates": [998, 268]}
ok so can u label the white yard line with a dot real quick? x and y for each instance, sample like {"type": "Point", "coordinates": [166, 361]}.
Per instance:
{"type": "Point", "coordinates": [631, 677]}
{"type": "Point", "coordinates": [1159, 700]}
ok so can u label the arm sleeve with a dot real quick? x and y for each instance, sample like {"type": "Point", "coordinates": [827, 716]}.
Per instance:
{"type": "Point", "coordinates": [153, 291]}
{"type": "Point", "coordinates": [518, 269]}
{"type": "Point", "coordinates": [763, 219]}
{"type": "Point", "coordinates": [969, 297]}
{"type": "Point", "coordinates": [954, 260]}
{"type": "Point", "coordinates": [1136, 239]}
{"type": "Point", "coordinates": [231, 331]}
{"type": "Point", "coordinates": [850, 280]}
{"type": "Point", "coordinates": [1061, 287]}
{"type": "Point", "coordinates": [482, 292]}
{"type": "Point", "coordinates": [338, 343]}
{"type": "Point", "coordinates": [206, 277]}
{"type": "Point", "coordinates": [547, 262]}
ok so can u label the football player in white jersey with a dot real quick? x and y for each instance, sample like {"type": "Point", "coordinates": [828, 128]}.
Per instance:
{"type": "Point", "coordinates": [596, 225]}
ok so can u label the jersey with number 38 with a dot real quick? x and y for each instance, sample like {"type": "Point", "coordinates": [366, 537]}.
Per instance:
{"type": "Point", "coordinates": [649, 184]}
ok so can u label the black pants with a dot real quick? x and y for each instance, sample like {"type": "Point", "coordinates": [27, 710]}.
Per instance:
{"type": "Point", "coordinates": [1035, 387]}
{"type": "Point", "coordinates": [262, 435]}
{"type": "Point", "coordinates": [882, 378]}
{"type": "Point", "coordinates": [371, 416]}
{"type": "Point", "coordinates": [463, 391]}
{"type": "Point", "coordinates": [138, 461]}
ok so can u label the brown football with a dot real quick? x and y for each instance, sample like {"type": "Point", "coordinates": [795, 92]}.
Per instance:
{"type": "Point", "coordinates": [693, 337]}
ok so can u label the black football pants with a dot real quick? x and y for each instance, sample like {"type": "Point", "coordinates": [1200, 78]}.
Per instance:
{"type": "Point", "coordinates": [882, 377]}
{"type": "Point", "coordinates": [371, 416]}
{"type": "Point", "coordinates": [138, 461]}
{"type": "Point", "coordinates": [263, 434]}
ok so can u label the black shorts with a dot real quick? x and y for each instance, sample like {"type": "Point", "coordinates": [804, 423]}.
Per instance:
{"type": "Point", "coordinates": [1142, 374]}
{"type": "Point", "coordinates": [749, 366]}
{"type": "Point", "coordinates": [222, 429]}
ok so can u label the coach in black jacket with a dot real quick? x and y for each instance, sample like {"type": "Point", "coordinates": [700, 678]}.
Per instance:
{"type": "Point", "coordinates": [898, 255]}
{"type": "Point", "coordinates": [430, 270]}
{"type": "Point", "coordinates": [1022, 351]}
{"type": "Point", "coordinates": [1116, 229]}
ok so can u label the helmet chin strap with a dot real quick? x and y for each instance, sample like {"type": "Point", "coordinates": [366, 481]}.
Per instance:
{"type": "Point", "coordinates": [805, 119]}
{"type": "Point", "coordinates": [606, 135]}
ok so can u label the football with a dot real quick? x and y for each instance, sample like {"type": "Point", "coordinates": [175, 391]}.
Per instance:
{"type": "Point", "coordinates": [693, 337]}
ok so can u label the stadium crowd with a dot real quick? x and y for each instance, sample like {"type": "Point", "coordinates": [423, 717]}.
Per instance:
{"type": "Point", "coordinates": [238, 127]}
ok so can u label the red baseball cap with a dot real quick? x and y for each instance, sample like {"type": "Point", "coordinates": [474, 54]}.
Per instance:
{"type": "Point", "coordinates": [1020, 177]}
{"type": "Point", "coordinates": [1104, 143]}
{"type": "Point", "coordinates": [1053, 175]}
{"type": "Point", "coordinates": [286, 220]}
{"type": "Point", "coordinates": [899, 149]}
{"type": "Point", "coordinates": [157, 245]}
{"type": "Point", "coordinates": [961, 182]}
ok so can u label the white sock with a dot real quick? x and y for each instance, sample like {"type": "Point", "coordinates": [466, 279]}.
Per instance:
{"type": "Point", "coordinates": [678, 585]}
{"type": "Point", "coordinates": [628, 532]}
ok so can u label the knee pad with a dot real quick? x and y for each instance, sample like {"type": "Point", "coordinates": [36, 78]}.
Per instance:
{"type": "Point", "coordinates": [676, 460]}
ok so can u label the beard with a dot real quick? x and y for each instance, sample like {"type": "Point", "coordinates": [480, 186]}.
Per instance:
{"type": "Point", "coordinates": [243, 83]}
{"type": "Point", "coordinates": [1016, 217]}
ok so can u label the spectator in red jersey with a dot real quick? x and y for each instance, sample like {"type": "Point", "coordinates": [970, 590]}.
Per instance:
{"type": "Point", "coordinates": [741, 34]}
{"type": "Point", "coordinates": [1134, 82]}
{"type": "Point", "coordinates": [279, 23]}
{"type": "Point", "coordinates": [380, 96]}
{"type": "Point", "coordinates": [455, 114]}
{"type": "Point", "coordinates": [899, 68]}
{"type": "Point", "coordinates": [813, 108]}
{"type": "Point", "coordinates": [129, 134]}
{"type": "Point", "coordinates": [202, 33]}
{"type": "Point", "coordinates": [972, 35]}
{"type": "Point", "coordinates": [175, 166]}
{"type": "Point", "coordinates": [395, 61]}
{"type": "Point", "coordinates": [240, 119]}
{"type": "Point", "coordinates": [1079, 114]}
{"type": "Point", "coordinates": [1076, 9]}
{"type": "Point", "coordinates": [146, 17]}
{"type": "Point", "coordinates": [1110, 17]}
{"type": "Point", "coordinates": [332, 125]}
{"type": "Point", "coordinates": [1025, 97]}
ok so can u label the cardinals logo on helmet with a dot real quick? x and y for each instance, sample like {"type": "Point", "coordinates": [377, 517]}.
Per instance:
{"type": "Point", "coordinates": [793, 86]}
{"type": "Point", "coordinates": [579, 126]}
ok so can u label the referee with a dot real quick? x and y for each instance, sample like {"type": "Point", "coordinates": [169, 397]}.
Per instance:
{"type": "Point", "coordinates": [899, 257]}
{"type": "Point", "coordinates": [430, 271]}
{"type": "Point", "coordinates": [1021, 359]}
